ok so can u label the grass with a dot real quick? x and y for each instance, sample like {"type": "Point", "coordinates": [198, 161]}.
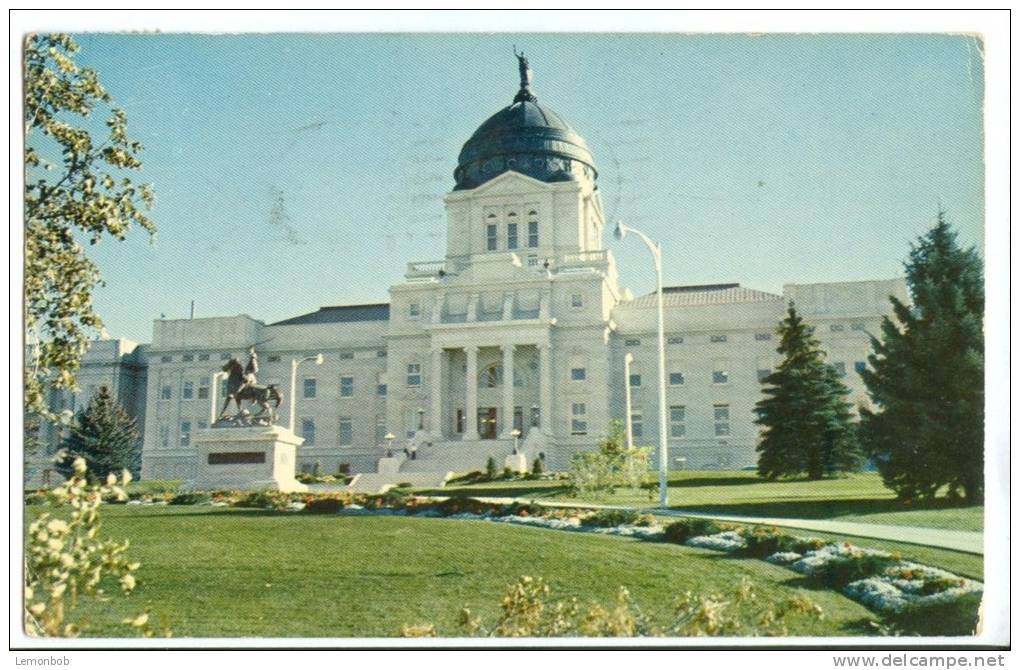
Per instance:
{"type": "Point", "coordinates": [217, 572]}
{"type": "Point", "coordinates": [858, 497]}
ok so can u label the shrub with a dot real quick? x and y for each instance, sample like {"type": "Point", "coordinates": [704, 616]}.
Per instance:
{"type": "Point", "coordinates": [491, 469]}
{"type": "Point", "coordinates": [613, 466]}
{"type": "Point", "coordinates": [324, 505]}
{"type": "Point", "coordinates": [845, 568]}
{"type": "Point", "coordinates": [191, 498]}
{"type": "Point", "coordinates": [763, 542]}
{"type": "Point", "coordinates": [273, 500]}
{"type": "Point", "coordinates": [538, 466]}
{"type": "Point", "coordinates": [955, 617]}
{"type": "Point", "coordinates": [609, 518]}
{"type": "Point", "coordinates": [682, 530]}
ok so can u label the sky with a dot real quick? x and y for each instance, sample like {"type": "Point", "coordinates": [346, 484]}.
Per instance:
{"type": "Point", "coordinates": [298, 170]}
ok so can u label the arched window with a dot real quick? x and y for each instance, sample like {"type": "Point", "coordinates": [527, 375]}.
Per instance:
{"type": "Point", "coordinates": [491, 377]}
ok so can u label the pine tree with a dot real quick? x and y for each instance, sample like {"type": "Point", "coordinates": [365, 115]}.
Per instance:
{"type": "Point", "coordinates": [927, 376]}
{"type": "Point", "coordinates": [807, 423]}
{"type": "Point", "coordinates": [104, 435]}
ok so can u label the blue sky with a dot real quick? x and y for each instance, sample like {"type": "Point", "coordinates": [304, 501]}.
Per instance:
{"type": "Point", "coordinates": [299, 170]}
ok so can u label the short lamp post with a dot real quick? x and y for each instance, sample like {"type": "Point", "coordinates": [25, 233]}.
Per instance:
{"type": "Point", "coordinates": [516, 434]}
{"type": "Point", "coordinates": [294, 363]}
{"type": "Point", "coordinates": [421, 418]}
{"type": "Point", "coordinates": [389, 437]}
{"type": "Point", "coordinates": [620, 232]}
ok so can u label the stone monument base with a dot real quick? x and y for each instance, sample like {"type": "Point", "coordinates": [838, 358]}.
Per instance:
{"type": "Point", "coordinates": [517, 463]}
{"type": "Point", "coordinates": [253, 458]}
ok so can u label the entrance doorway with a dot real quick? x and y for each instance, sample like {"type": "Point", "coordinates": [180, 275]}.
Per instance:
{"type": "Point", "coordinates": [487, 427]}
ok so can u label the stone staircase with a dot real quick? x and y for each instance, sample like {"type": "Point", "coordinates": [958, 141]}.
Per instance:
{"type": "Point", "coordinates": [457, 456]}
{"type": "Point", "coordinates": [374, 482]}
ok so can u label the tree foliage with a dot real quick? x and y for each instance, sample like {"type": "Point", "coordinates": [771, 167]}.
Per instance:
{"type": "Point", "coordinates": [76, 191]}
{"type": "Point", "coordinates": [104, 435]}
{"type": "Point", "coordinates": [927, 375]}
{"type": "Point", "coordinates": [807, 423]}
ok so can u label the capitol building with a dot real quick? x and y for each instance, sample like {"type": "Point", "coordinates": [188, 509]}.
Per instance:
{"type": "Point", "coordinates": [524, 324]}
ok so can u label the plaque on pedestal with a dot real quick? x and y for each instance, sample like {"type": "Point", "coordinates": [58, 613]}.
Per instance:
{"type": "Point", "coordinates": [250, 458]}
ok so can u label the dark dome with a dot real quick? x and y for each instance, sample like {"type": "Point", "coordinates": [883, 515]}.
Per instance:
{"type": "Point", "coordinates": [527, 138]}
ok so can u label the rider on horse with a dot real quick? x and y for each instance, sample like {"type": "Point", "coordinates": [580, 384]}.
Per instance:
{"type": "Point", "coordinates": [250, 370]}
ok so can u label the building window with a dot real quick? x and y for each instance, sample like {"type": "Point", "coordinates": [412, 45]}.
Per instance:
{"type": "Point", "coordinates": [856, 326]}
{"type": "Point", "coordinates": [763, 373]}
{"type": "Point", "coordinates": [164, 437]}
{"type": "Point", "coordinates": [202, 425]}
{"type": "Point", "coordinates": [223, 388]}
{"type": "Point", "coordinates": [635, 381]}
{"type": "Point", "coordinates": [578, 420]}
{"type": "Point", "coordinates": [577, 300]}
{"type": "Point", "coordinates": [860, 367]}
{"type": "Point", "coordinates": [492, 377]}
{"type": "Point", "coordinates": [632, 343]}
{"type": "Point", "coordinates": [763, 337]}
{"type": "Point", "coordinates": [203, 357]}
{"type": "Point", "coordinates": [187, 390]}
{"type": "Point", "coordinates": [224, 357]}
{"type": "Point", "coordinates": [532, 261]}
{"type": "Point", "coordinates": [203, 389]}
{"type": "Point", "coordinates": [676, 378]}
{"type": "Point", "coordinates": [840, 368]}
{"type": "Point", "coordinates": [720, 377]}
{"type": "Point", "coordinates": [185, 439]}
{"type": "Point", "coordinates": [346, 355]}
{"type": "Point", "coordinates": [380, 353]}
{"type": "Point", "coordinates": [346, 432]}
{"type": "Point", "coordinates": [165, 359]}
{"type": "Point", "coordinates": [578, 374]}
{"type": "Point", "coordinates": [676, 339]}
{"type": "Point", "coordinates": [511, 236]}
{"type": "Point", "coordinates": [490, 237]}
{"type": "Point", "coordinates": [414, 374]}
{"type": "Point", "coordinates": [637, 426]}
{"type": "Point", "coordinates": [836, 327]}
{"type": "Point", "coordinates": [380, 390]}
{"type": "Point", "coordinates": [722, 420]}
{"type": "Point", "coordinates": [309, 388]}
{"type": "Point", "coordinates": [380, 429]}
{"type": "Point", "coordinates": [308, 431]}
{"type": "Point", "coordinates": [346, 387]}
{"type": "Point", "coordinates": [273, 359]}
{"type": "Point", "coordinates": [414, 310]}
{"type": "Point", "coordinates": [677, 421]}
{"type": "Point", "coordinates": [533, 234]}
{"type": "Point", "coordinates": [166, 393]}
{"type": "Point", "coordinates": [717, 338]}
{"type": "Point", "coordinates": [187, 358]}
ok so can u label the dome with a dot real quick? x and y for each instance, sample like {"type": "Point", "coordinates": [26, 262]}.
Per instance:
{"type": "Point", "coordinates": [525, 137]}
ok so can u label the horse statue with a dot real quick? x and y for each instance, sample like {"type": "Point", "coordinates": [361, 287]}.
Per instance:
{"type": "Point", "coordinates": [238, 390]}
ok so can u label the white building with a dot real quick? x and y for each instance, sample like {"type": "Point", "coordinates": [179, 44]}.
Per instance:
{"type": "Point", "coordinates": [523, 324]}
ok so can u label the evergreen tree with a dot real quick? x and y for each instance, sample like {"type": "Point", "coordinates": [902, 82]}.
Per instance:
{"type": "Point", "coordinates": [807, 423]}
{"type": "Point", "coordinates": [104, 435]}
{"type": "Point", "coordinates": [926, 380]}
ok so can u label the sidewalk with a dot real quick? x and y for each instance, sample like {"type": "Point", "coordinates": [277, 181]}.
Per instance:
{"type": "Point", "coordinates": [957, 540]}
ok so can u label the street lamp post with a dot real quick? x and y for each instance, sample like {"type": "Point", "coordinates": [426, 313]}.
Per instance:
{"type": "Point", "coordinates": [516, 434]}
{"type": "Point", "coordinates": [389, 437]}
{"type": "Point", "coordinates": [656, 251]}
{"type": "Point", "coordinates": [294, 363]}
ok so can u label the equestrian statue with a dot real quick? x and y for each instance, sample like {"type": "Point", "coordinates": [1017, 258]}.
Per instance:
{"type": "Point", "coordinates": [242, 385]}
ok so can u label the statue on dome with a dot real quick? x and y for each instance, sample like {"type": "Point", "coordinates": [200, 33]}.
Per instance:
{"type": "Point", "coordinates": [525, 69]}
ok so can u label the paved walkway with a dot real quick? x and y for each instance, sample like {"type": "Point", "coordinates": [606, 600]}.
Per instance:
{"type": "Point", "coordinates": [957, 540]}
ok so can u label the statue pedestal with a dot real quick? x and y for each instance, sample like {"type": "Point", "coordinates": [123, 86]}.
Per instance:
{"type": "Point", "coordinates": [389, 465]}
{"type": "Point", "coordinates": [254, 458]}
{"type": "Point", "coordinates": [516, 463]}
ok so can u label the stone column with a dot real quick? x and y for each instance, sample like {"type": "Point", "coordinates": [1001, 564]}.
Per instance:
{"type": "Point", "coordinates": [436, 390]}
{"type": "Point", "coordinates": [545, 388]}
{"type": "Point", "coordinates": [471, 401]}
{"type": "Point", "coordinates": [508, 390]}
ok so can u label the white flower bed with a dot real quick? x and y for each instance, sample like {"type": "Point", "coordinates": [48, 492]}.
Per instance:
{"type": "Point", "coordinates": [784, 557]}
{"type": "Point", "coordinates": [813, 561]}
{"type": "Point", "coordinates": [729, 540]}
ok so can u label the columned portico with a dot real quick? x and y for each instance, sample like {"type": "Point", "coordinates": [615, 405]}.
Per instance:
{"type": "Point", "coordinates": [471, 399]}
{"type": "Point", "coordinates": [508, 390]}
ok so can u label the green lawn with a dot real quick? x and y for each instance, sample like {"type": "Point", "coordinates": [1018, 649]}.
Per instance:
{"type": "Point", "coordinates": [857, 497]}
{"type": "Point", "coordinates": [224, 572]}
